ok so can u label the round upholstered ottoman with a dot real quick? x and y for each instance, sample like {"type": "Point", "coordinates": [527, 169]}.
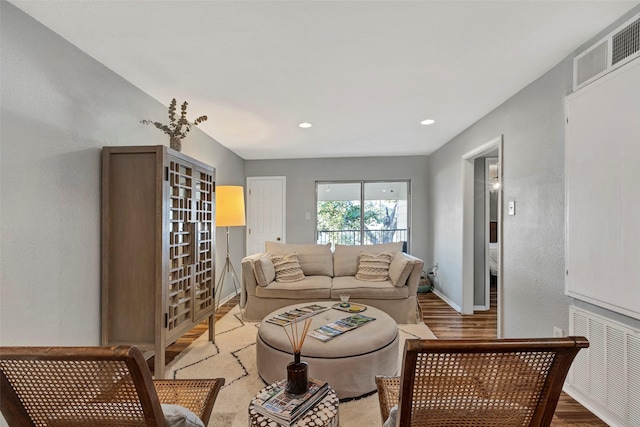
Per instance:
{"type": "Point", "coordinates": [348, 362]}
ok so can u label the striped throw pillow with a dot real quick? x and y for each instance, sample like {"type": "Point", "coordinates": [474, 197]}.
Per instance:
{"type": "Point", "coordinates": [374, 268]}
{"type": "Point", "coordinates": [287, 268]}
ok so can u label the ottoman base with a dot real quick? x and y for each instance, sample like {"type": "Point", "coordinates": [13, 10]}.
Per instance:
{"type": "Point", "coordinates": [350, 376]}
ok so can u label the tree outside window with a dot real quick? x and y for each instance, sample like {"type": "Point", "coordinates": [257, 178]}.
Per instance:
{"type": "Point", "coordinates": [341, 220]}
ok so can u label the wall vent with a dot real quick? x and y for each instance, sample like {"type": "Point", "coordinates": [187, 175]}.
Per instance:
{"type": "Point", "coordinates": [616, 49]}
{"type": "Point", "coordinates": [605, 378]}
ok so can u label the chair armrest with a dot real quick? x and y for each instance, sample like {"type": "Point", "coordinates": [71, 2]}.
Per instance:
{"type": "Point", "coordinates": [196, 395]}
{"type": "Point", "coordinates": [388, 394]}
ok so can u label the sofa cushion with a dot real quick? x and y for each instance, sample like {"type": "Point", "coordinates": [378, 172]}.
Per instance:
{"type": "Point", "coordinates": [264, 270]}
{"type": "Point", "coordinates": [374, 268]}
{"type": "Point", "coordinates": [287, 268]}
{"type": "Point", "coordinates": [345, 257]}
{"type": "Point", "coordinates": [399, 269]}
{"type": "Point", "coordinates": [315, 260]}
{"type": "Point", "coordinates": [310, 288]}
{"type": "Point", "coordinates": [358, 289]}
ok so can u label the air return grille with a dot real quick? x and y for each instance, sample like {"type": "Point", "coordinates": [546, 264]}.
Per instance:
{"type": "Point", "coordinates": [592, 63]}
{"type": "Point", "coordinates": [626, 42]}
{"type": "Point", "coordinates": [615, 50]}
{"type": "Point", "coordinates": [605, 378]}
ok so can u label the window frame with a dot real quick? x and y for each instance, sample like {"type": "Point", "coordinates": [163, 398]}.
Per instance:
{"type": "Point", "coordinates": [362, 184]}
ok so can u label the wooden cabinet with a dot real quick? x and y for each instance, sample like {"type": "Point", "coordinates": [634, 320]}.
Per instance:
{"type": "Point", "coordinates": [158, 251]}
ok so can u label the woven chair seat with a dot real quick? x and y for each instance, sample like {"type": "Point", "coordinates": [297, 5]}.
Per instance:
{"type": "Point", "coordinates": [93, 386]}
{"type": "Point", "coordinates": [466, 383]}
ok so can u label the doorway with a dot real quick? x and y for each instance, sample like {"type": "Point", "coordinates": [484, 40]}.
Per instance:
{"type": "Point", "coordinates": [485, 235]}
{"type": "Point", "coordinates": [266, 211]}
{"type": "Point", "coordinates": [470, 202]}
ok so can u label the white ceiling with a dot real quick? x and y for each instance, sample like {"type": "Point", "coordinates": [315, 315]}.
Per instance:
{"type": "Point", "coordinates": [364, 73]}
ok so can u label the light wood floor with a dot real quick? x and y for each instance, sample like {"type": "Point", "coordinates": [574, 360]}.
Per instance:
{"type": "Point", "coordinates": [445, 322]}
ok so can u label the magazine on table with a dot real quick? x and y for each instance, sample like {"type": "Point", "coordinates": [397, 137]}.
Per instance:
{"type": "Point", "coordinates": [339, 327]}
{"type": "Point", "coordinates": [288, 317]}
{"type": "Point", "coordinates": [275, 404]}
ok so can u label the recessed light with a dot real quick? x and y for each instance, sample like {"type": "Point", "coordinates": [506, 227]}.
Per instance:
{"type": "Point", "coordinates": [305, 125]}
{"type": "Point", "coordinates": [427, 122]}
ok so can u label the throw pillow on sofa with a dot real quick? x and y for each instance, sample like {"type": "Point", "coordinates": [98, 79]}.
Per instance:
{"type": "Point", "coordinates": [264, 270]}
{"type": "Point", "coordinates": [287, 268]}
{"type": "Point", "coordinates": [400, 269]}
{"type": "Point", "coordinates": [345, 257]}
{"type": "Point", "coordinates": [315, 259]}
{"type": "Point", "coordinates": [374, 268]}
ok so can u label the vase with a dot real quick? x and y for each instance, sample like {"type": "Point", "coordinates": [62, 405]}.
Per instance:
{"type": "Point", "coordinates": [175, 142]}
{"type": "Point", "coordinates": [297, 376]}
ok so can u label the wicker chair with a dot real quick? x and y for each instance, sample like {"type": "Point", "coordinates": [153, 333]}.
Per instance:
{"type": "Point", "coordinates": [509, 382]}
{"type": "Point", "coordinates": [93, 386]}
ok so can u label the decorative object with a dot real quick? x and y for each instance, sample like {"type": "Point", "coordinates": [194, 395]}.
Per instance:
{"type": "Point", "coordinates": [229, 213]}
{"type": "Point", "coordinates": [287, 268]}
{"type": "Point", "coordinates": [320, 408]}
{"type": "Point", "coordinates": [351, 307]}
{"type": "Point", "coordinates": [344, 300]}
{"type": "Point", "coordinates": [297, 371]}
{"type": "Point", "coordinates": [177, 127]}
{"type": "Point", "coordinates": [374, 267]}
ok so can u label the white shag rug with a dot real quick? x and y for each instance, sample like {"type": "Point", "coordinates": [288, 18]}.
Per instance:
{"type": "Point", "coordinates": [233, 357]}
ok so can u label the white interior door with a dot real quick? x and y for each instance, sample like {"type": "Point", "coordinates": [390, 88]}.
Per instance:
{"type": "Point", "coordinates": [266, 213]}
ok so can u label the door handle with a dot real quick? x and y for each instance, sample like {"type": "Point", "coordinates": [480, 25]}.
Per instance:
{"type": "Point", "coordinates": [278, 239]}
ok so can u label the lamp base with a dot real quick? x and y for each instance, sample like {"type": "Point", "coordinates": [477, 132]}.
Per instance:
{"type": "Point", "coordinates": [228, 268]}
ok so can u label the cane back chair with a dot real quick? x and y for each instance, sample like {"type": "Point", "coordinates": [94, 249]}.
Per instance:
{"type": "Point", "coordinates": [93, 386]}
{"type": "Point", "coordinates": [464, 383]}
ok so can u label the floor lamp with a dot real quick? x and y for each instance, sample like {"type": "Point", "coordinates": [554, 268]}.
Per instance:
{"type": "Point", "coordinates": [229, 213]}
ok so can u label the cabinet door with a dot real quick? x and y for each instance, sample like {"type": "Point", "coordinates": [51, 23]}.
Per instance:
{"type": "Point", "coordinates": [181, 235]}
{"type": "Point", "coordinates": [203, 268]}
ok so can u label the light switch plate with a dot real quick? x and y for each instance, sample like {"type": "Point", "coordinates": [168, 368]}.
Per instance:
{"type": "Point", "coordinates": [512, 208]}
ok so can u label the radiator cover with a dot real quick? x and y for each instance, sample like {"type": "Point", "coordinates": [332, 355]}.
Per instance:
{"type": "Point", "coordinates": [605, 378]}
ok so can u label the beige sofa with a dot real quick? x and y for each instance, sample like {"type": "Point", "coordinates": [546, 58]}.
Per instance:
{"type": "Point", "coordinates": [328, 274]}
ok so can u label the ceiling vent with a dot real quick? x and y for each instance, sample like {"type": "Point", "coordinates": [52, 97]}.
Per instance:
{"type": "Point", "coordinates": [616, 49]}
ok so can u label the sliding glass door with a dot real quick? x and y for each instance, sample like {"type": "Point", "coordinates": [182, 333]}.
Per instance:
{"type": "Point", "coordinates": [362, 212]}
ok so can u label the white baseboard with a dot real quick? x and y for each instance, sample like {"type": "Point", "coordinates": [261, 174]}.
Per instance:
{"type": "Point", "coordinates": [447, 300]}
{"type": "Point", "coordinates": [591, 406]}
{"type": "Point", "coordinates": [228, 298]}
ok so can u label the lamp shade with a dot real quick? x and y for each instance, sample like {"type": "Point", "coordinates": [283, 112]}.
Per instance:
{"type": "Point", "coordinates": [230, 206]}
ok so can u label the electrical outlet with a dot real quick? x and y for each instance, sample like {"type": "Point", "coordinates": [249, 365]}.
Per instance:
{"type": "Point", "coordinates": [558, 332]}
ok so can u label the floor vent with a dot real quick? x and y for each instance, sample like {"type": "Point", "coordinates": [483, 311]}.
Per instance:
{"type": "Point", "coordinates": [616, 49]}
{"type": "Point", "coordinates": [605, 378]}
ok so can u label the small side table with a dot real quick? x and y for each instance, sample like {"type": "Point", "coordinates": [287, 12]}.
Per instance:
{"type": "Point", "coordinates": [323, 414]}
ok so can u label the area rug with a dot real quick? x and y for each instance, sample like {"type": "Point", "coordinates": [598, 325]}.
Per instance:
{"type": "Point", "coordinates": [232, 357]}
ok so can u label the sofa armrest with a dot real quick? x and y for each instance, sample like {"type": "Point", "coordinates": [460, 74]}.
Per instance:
{"type": "Point", "coordinates": [414, 278]}
{"type": "Point", "coordinates": [248, 281]}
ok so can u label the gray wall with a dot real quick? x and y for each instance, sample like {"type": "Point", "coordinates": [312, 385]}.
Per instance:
{"type": "Point", "coordinates": [302, 175]}
{"type": "Point", "coordinates": [59, 107]}
{"type": "Point", "coordinates": [532, 122]}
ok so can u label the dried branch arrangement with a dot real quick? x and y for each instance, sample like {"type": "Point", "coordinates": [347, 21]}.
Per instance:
{"type": "Point", "coordinates": [178, 127]}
